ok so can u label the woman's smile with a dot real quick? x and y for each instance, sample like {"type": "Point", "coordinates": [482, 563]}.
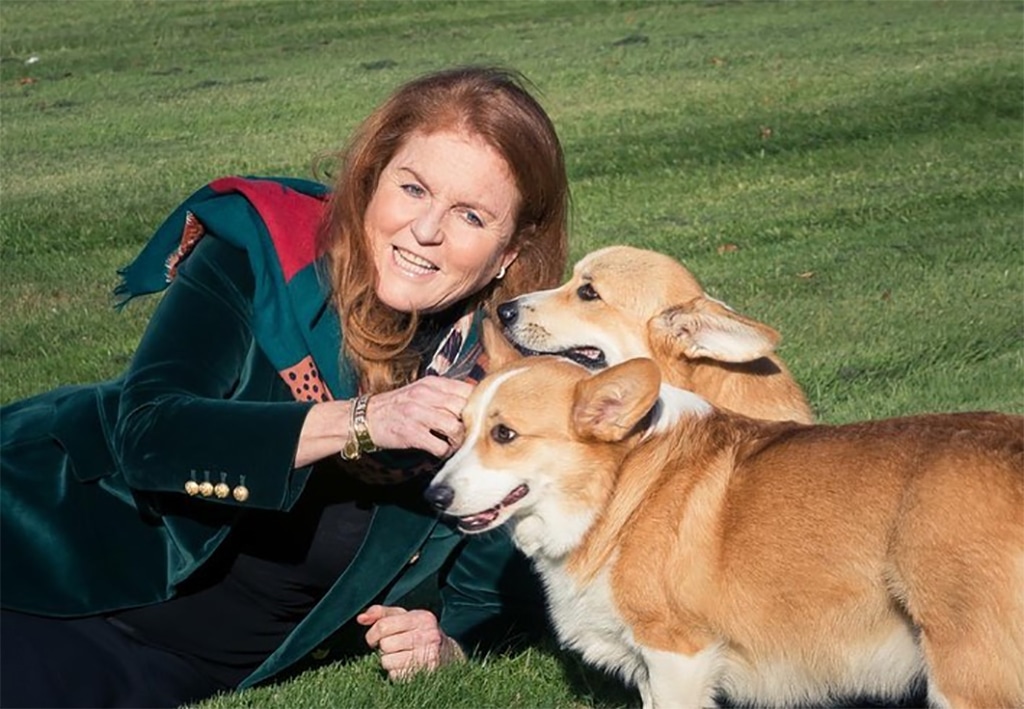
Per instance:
{"type": "Point", "coordinates": [411, 264]}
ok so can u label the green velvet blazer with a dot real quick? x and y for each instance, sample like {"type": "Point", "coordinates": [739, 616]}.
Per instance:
{"type": "Point", "coordinates": [95, 518]}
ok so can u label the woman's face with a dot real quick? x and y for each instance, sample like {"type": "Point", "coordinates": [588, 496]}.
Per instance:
{"type": "Point", "coordinates": [440, 221]}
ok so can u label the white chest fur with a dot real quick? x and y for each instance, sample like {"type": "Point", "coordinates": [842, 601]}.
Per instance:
{"type": "Point", "coordinates": [587, 621]}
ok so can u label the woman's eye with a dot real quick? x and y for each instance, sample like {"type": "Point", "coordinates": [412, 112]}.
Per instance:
{"type": "Point", "coordinates": [474, 219]}
{"type": "Point", "coordinates": [503, 434]}
{"type": "Point", "coordinates": [587, 292]}
{"type": "Point", "coordinates": [413, 190]}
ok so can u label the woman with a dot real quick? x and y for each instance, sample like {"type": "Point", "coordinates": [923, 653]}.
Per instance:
{"type": "Point", "coordinates": [218, 516]}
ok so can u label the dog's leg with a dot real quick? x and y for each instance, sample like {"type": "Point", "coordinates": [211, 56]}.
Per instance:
{"type": "Point", "coordinates": [677, 681]}
{"type": "Point", "coordinates": [973, 672]}
{"type": "Point", "coordinates": [959, 552]}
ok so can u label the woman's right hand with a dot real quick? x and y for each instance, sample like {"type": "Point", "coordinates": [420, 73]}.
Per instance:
{"type": "Point", "coordinates": [426, 414]}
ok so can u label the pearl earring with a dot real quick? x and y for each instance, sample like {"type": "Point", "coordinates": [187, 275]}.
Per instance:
{"type": "Point", "coordinates": [501, 273]}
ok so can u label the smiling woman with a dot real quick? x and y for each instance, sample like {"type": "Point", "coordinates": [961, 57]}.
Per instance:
{"type": "Point", "coordinates": [441, 221]}
{"type": "Point", "coordinates": [251, 485]}
{"type": "Point", "coordinates": [482, 157]}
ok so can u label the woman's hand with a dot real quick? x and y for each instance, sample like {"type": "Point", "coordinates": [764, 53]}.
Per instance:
{"type": "Point", "coordinates": [425, 415]}
{"type": "Point", "coordinates": [407, 641]}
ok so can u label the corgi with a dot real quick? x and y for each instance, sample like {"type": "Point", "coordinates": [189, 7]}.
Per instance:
{"type": "Point", "coordinates": [624, 302]}
{"type": "Point", "coordinates": [694, 551]}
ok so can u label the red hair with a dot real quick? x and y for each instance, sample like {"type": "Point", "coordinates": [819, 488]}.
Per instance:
{"type": "Point", "coordinates": [487, 102]}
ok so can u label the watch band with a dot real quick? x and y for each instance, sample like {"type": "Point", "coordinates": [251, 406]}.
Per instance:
{"type": "Point", "coordinates": [359, 440]}
{"type": "Point", "coordinates": [366, 444]}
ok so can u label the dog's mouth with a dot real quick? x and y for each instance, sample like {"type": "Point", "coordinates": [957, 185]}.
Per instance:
{"type": "Point", "coordinates": [482, 520]}
{"type": "Point", "coordinates": [589, 357]}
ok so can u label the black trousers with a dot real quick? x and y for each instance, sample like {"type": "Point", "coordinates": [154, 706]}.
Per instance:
{"type": "Point", "coordinates": [87, 662]}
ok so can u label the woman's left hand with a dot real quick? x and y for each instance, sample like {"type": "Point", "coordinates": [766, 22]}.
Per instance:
{"type": "Point", "coordinates": [407, 641]}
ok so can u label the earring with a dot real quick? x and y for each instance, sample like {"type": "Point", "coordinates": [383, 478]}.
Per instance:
{"type": "Point", "coordinates": [501, 273]}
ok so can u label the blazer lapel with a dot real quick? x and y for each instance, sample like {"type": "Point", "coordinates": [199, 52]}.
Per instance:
{"type": "Point", "coordinates": [394, 536]}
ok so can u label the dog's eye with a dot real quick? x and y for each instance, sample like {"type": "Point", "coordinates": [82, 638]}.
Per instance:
{"type": "Point", "coordinates": [503, 434]}
{"type": "Point", "coordinates": [587, 292]}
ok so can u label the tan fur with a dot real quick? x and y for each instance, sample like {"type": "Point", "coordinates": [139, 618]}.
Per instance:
{"type": "Point", "coordinates": [650, 305]}
{"type": "Point", "coordinates": [797, 560]}
{"type": "Point", "coordinates": [837, 534]}
{"type": "Point", "coordinates": [498, 351]}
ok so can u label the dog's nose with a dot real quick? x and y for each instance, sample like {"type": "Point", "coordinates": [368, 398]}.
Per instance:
{"type": "Point", "coordinates": [508, 312]}
{"type": "Point", "coordinates": [440, 496]}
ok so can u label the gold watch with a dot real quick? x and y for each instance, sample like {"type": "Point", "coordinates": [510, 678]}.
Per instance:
{"type": "Point", "coordinates": [359, 440]}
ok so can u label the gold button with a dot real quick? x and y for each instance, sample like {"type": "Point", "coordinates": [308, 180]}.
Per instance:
{"type": "Point", "coordinates": [221, 490]}
{"type": "Point", "coordinates": [206, 488]}
{"type": "Point", "coordinates": [240, 493]}
{"type": "Point", "coordinates": [192, 487]}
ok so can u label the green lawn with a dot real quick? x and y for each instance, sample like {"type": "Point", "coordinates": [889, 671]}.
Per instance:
{"type": "Point", "coordinates": [850, 172]}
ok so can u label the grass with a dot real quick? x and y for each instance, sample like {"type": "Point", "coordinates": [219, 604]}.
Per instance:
{"type": "Point", "coordinates": [850, 172]}
{"type": "Point", "coordinates": [532, 678]}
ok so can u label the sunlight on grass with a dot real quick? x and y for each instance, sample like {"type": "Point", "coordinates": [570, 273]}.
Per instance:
{"type": "Point", "coordinates": [850, 173]}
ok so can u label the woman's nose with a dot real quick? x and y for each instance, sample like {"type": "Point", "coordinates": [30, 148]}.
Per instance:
{"type": "Point", "coordinates": [426, 227]}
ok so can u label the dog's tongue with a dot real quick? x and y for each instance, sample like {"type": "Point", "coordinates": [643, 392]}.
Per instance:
{"type": "Point", "coordinates": [479, 520]}
{"type": "Point", "coordinates": [589, 357]}
{"type": "Point", "coordinates": [482, 519]}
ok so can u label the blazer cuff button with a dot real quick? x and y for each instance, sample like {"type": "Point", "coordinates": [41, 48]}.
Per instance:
{"type": "Point", "coordinates": [192, 488]}
{"type": "Point", "coordinates": [206, 489]}
{"type": "Point", "coordinates": [221, 490]}
{"type": "Point", "coordinates": [240, 493]}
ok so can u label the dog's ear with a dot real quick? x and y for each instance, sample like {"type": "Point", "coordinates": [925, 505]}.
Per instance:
{"type": "Point", "coordinates": [704, 327]}
{"type": "Point", "coordinates": [498, 349]}
{"type": "Point", "coordinates": [608, 405]}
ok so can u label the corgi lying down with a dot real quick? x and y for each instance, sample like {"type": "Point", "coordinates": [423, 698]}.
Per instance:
{"type": "Point", "coordinates": [623, 302]}
{"type": "Point", "coordinates": [691, 550]}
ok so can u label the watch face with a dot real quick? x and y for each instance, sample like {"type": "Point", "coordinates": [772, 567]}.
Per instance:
{"type": "Point", "coordinates": [351, 449]}
{"type": "Point", "coordinates": [363, 440]}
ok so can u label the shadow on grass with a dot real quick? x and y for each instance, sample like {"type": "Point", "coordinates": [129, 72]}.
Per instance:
{"type": "Point", "coordinates": [988, 95]}
{"type": "Point", "coordinates": [594, 688]}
